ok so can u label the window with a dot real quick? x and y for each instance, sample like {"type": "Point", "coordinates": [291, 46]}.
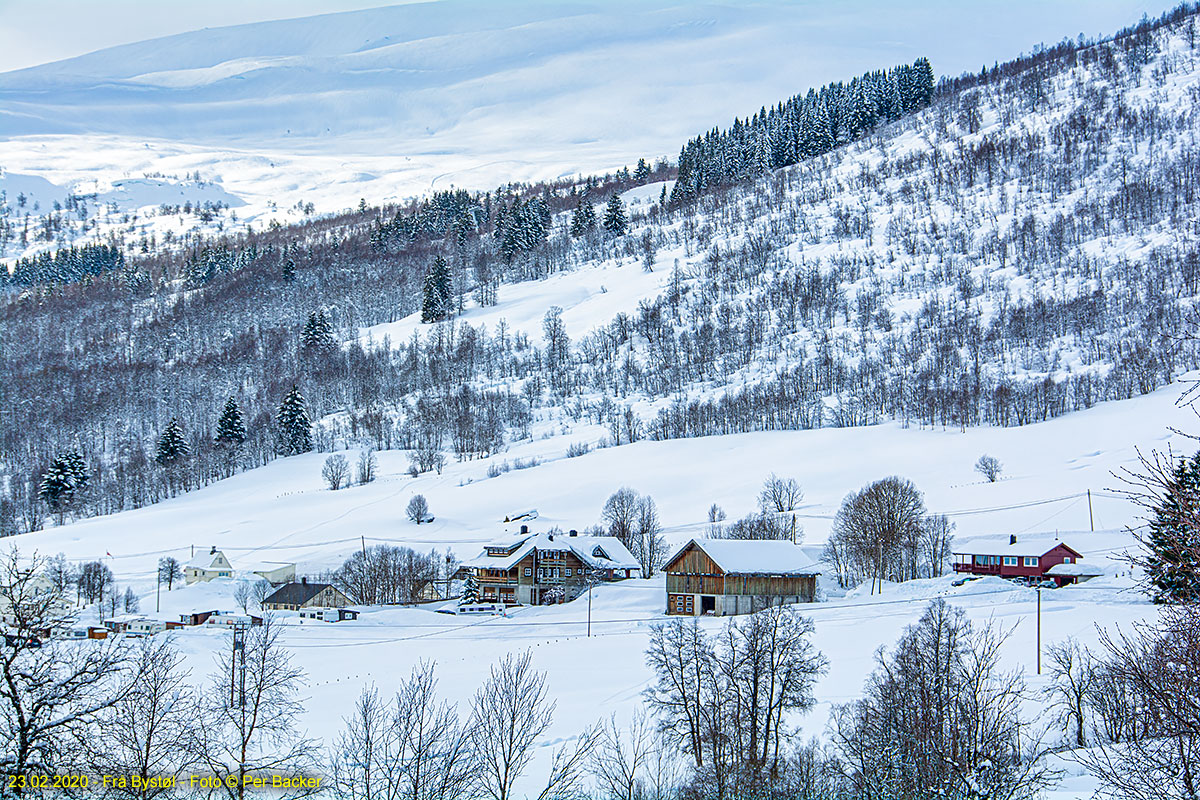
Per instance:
{"type": "Point", "coordinates": [1031, 561]}
{"type": "Point", "coordinates": [568, 572]}
{"type": "Point", "coordinates": [1010, 561]}
{"type": "Point", "coordinates": [528, 571]}
{"type": "Point", "coordinates": [981, 560]}
{"type": "Point", "coordinates": [995, 559]}
{"type": "Point", "coordinates": [1067, 560]}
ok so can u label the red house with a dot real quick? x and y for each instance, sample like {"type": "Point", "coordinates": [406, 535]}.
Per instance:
{"type": "Point", "coordinates": [1031, 557]}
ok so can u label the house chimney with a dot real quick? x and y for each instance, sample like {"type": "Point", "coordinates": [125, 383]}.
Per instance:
{"type": "Point", "coordinates": [524, 529]}
{"type": "Point", "coordinates": [550, 537]}
{"type": "Point", "coordinates": [213, 551]}
{"type": "Point", "coordinates": [572, 532]}
{"type": "Point", "coordinates": [1012, 539]}
{"type": "Point", "coordinates": [304, 580]}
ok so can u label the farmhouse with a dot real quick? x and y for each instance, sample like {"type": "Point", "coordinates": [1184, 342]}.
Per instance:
{"type": "Point", "coordinates": [726, 576]}
{"type": "Point", "coordinates": [205, 567]}
{"type": "Point", "coordinates": [1028, 557]}
{"type": "Point", "coordinates": [542, 568]}
{"type": "Point", "coordinates": [295, 596]}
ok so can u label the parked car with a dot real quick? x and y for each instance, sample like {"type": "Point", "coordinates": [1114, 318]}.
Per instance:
{"type": "Point", "coordinates": [1045, 583]}
{"type": "Point", "coordinates": [962, 581]}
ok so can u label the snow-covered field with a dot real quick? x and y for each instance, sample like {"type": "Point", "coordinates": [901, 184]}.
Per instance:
{"type": "Point", "coordinates": [282, 512]}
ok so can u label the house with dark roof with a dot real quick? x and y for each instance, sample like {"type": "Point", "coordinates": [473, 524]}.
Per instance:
{"type": "Point", "coordinates": [295, 596]}
{"type": "Point", "coordinates": [721, 577]}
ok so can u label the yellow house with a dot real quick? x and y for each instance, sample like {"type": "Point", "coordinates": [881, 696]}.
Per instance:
{"type": "Point", "coordinates": [205, 567]}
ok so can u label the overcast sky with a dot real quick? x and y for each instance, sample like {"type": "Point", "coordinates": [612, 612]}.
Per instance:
{"type": "Point", "coordinates": [38, 31]}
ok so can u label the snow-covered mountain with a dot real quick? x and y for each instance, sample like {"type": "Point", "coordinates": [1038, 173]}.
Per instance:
{"type": "Point", "coordinates": [1009, 269]}
{"type": "Point", "coordinates": [386, 103]}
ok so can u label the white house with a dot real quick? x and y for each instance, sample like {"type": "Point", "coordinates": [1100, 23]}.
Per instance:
{"type": "Point", "coordinates": [212, 564]}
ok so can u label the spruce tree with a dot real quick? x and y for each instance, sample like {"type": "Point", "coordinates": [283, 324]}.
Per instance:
{"type": "Point", "coordinates": [317, 337]}
{"type": "Point", "coordinates": [583, 219]}
{"type": "Point", "coordinates": [642, 172]}
{"type": "Point", "coordinates": [289, 270]}
{"type": "Point", "coordinates": [470, 590]}
{"type": "Point", "coordinates": [295, 428]}
{"type": "Point", "coordinates": [172, 445]}
{"type": "Point", "coordinates": [435, 301]}
{"type": "Point", "coordinates": [77, 470]}
{"type": "Point", "coordinates": [1173, 539]}
{"type": "Point", "coordinates": [231, 428]}
{"type": "Point", "coordinates": [57, 489]}
{"type": "Point", "coordinates": [615, 221]}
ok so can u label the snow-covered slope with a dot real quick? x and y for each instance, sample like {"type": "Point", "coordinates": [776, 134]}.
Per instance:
{"type": "Point", "coordinates": [281, 512]}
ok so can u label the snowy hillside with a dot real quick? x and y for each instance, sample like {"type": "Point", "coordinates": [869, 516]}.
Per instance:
{"type": "Point", "coordinates": [388, 103]}
{"type": "Point", "coordinates": [283, 513]}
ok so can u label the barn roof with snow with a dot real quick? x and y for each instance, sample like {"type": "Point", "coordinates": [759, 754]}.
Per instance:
{"type": "Point", "coordinates": [752, 557]}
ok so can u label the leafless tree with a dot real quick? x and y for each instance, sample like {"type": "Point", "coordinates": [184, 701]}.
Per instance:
{"type": "Point", "coordinates": [418, 509]}
{"type": "Point", "coordinates": [129, 600]}
{"type": "Point", "coordinates": [940, 718]}
{"type": "Point", "coordinates": [1071, 675]}
{"type": "Point", "coordinates": [50, 691]}
{"type": "Point", "coordinates": [143, 733]}
{"type": "Point", "coordinates": [413, 750]}
{"type": "Point", "coordinates": [937, 535]}
{"type": "Point", "coordinates": [716, 515]}
{"type": "Point", "coordinates": [727, 703]}
{"type": "Point", "coordinates": [246, 722]}
{"type": "Point", "coordinates": [768, 667]}
{"type": "Point", "coordinates": [368, 465]}
{"type": "Point", "coordinates": [649, 547]}
{"type": "Point", "coordinates": [242, 595]}
{"type": "Point", "coordinates": [336, 471]}
{"type": "Point", "coordinates": [682, 660]}
{"type": "Point", "coordinates": [620, 514]}
{"type": "Point", "coordinates": [509, 714]}
{"type": "Point", "coordinates": [877, 527]}
{"type": "Point", "coordinates": [989, 467]}
{"type": "Point", "coordinates": [1158, 662]}
{"type": "Point", "coordinates": [622, 756]}
{"type": "Point", "coordinates": [779, 495]}
{"type": "Point", "coordinates": [169, 571]}
{"type": "Point", "coordinates": [568, 768]}
{"type": "Point", "coordinates": [261, 591]}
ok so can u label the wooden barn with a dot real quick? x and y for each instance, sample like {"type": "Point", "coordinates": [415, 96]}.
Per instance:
{"type": "Point", "coordinates": [721, 577]}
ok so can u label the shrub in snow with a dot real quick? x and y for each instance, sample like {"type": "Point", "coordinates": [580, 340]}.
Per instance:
{"type": "Point", "coordinates": [989, 467]}
{"type": "Point", "coordinates": [336, 472]}
{"type": "Point", "coordinates": [418, 509]}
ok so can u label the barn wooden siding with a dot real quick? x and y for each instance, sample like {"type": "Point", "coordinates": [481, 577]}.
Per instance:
{"type": "Point", "coordinates": [693, 572]}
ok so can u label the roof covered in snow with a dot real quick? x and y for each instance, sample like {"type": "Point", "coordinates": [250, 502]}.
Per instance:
{"type": "Point", "coordinates": [766, 557]}
{"type": "Point", "coordinates": [205, 560]}
{"type": "Point", "coordinates": [599, 552]}
{"type": "Point", "coordinates": [1036, 544]}
{"type": "Point", "coordinates": [1078, 570]}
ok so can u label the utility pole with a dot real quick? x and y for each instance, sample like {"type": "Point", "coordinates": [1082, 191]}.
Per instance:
{"type": "Point", "coordinates": [237, 669]}
{"type": "Point", "coordinates": [158, 593]}
{"type": "Point", "coordinates": [1039, 631]}
{"type": "Point", "coordinates": [1091, 517]}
